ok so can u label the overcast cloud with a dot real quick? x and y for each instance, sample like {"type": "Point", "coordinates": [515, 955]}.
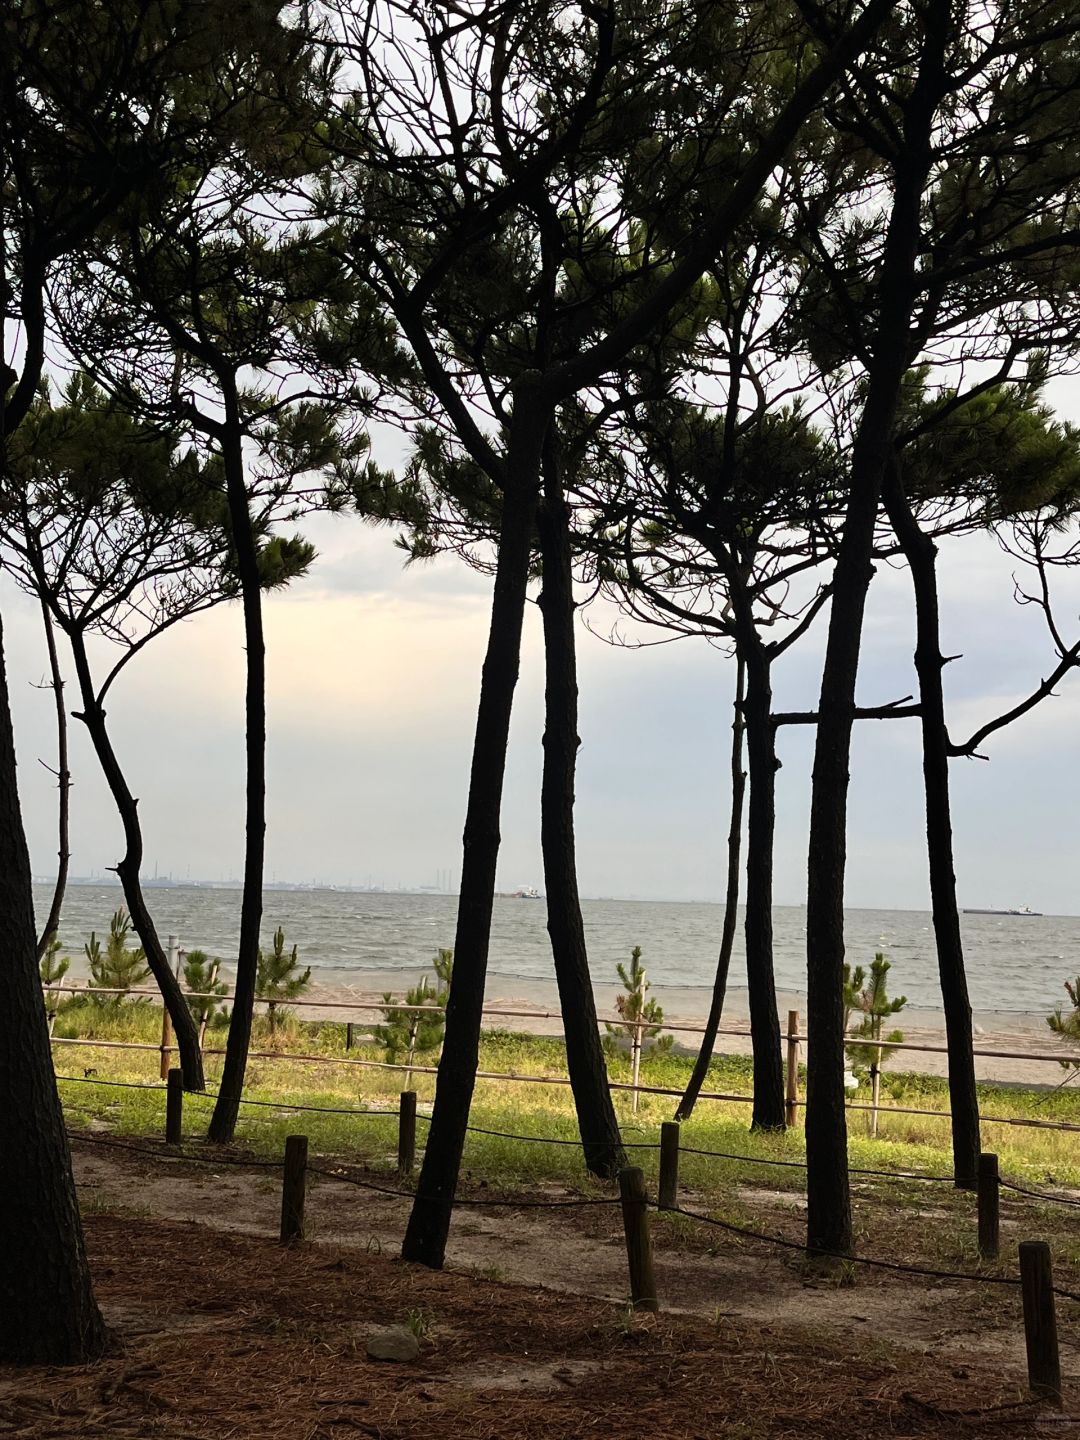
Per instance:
{"type": "Point", "coordinates": [373, 675]}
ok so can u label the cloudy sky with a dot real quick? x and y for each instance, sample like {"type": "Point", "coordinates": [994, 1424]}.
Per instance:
{"type": "Point", "coordinates": [373, 676]}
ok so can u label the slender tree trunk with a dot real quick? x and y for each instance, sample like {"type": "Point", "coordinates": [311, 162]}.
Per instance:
{"type": "Point", "coordinates": [828, 1193]}
{"type": "Point", "coordinates": [429, 1222]}
{"type": "Point", "coordinates": [128, 870]}
{"type": "Point", "coordinates": [231, 1088]}
{"type": "Point", "coordinates": [920, 553]}
{"type": "Point", "coordinates": [597, 1123]}
{"type": "Point", "coordinates": [761, 825]}
{"type": "Point", "coordinates": [63, 781]}
{"type": "Point", "coordinates": [828, 1197]}
{"type": "Point", "coordinates": [48, 1314]}
{"type": "Point", "coordinates": [731, 905]}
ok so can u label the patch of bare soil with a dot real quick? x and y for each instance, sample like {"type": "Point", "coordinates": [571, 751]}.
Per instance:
{"type": "Point", "coordinates": [223, 1335]}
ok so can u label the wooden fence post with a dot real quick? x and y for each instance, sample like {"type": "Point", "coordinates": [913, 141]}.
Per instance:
{"type": "Point", "coordinates": [406, 1144]}
{"type": "Point", "coordinates": [989, 1194]}
{"type": "Point", "coordinates": [668, 1197]}
{"type": "Point", "coordinates": [349, 1035]}
{"type": "Point", "coordinates": [166, 1042]}
{"type": "Point", "coordinates": [166, 1018]}
{"type": "Point", "coordinates": [293, 1183]}
{"type": "Point", "coordinates": [174, 1107]}
{"type": "Point", "coordinates": [638, 1241]}
{"type": "Point", "coordinates": [790, 1106]}
{"type": "Point", "coordinates": [1040, 1320]}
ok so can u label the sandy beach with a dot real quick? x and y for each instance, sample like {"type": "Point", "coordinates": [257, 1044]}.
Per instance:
{"type": "Point", "coordinates": [1022, 1049]}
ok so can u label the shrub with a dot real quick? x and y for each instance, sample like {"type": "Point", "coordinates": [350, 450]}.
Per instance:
{"type": "Point", "coordinates": [201, 980]}
{"type": "Point", "coordinates": [52, 968]}
{"type": "Point", "coordinates": [116, 967]}
{"type": "Point", "coordinates": [406, 1032]}
{"type": "Point", "coordinates": [278, 978]}
{"type": "Point", "coordinates": [1067, 1027]}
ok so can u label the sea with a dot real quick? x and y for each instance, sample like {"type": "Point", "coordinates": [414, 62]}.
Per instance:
{"type": "Point", "coordinates": [367, 942]}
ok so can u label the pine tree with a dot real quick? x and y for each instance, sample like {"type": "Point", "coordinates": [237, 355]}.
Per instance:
{"type": "Point", "coordinates": [1068, 1026]}
{"type": "Point", "coordinates": [642, 1017]}
{"type": "Point", "coordinates": [52, 970]}
{"type": "Point", "coordinates": [876, 1006]}
{"type": "Point", "coordinates": [116, 968]}
{"type": "Point", "coordinates": [408, 1033]}
{"type": "Point", "coordinates": [278, 978]}
{"type": "Point", "coordinates": [201, 979]}
{"type": "Point", "coordinates": [852, 991]}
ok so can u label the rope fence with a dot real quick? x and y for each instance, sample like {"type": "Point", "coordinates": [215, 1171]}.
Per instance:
{"type": "Point", "coordinates": [379, 1004]}
{"type": "Point", "coordinates": [916, 1176]}
{"type": "Point", "coordinates": [794, 1103]}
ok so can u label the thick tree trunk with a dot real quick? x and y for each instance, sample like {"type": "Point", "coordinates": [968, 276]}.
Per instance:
{"type": "Point", "coordinates": [63, 782]}
{"type": "Point", "coordinates": [128, 870]}
{"type": "Point", "coordinates": [48, 1315]}
{"type": "Point", "coordinates": [761, 825]}
{"type": "Point", "coordinates": [828, 1211]}
{"type": "Point", "coordinates": [920, 553]}
{"type": "Point", "coordinates": [599, 1128]}
{"type": "Point", "coordinates": [731, 907]}
{"type": "Point", "coordinates": [429, 1222]}
{"type": "Point", "coordinates": [231, 1088]}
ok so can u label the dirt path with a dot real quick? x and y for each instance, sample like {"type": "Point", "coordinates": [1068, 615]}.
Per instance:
{"type": "Point", "coordinates": [704, 1273]}
{"type": "Point", "coordinates": [221, 1335]}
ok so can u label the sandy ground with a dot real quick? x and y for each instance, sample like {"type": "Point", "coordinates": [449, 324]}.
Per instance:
{"type": "Point", "coordinates": [582, 1251]}
{"type": "Point", "coordinates": [220, 1334]}
{"type": "Point", "coordinates": [1022, 1049]}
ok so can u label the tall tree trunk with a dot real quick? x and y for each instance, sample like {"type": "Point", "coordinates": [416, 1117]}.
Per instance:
{"type": "Point", "coordinates": [429, 1222]}
{"type": "Point", "coordinates": [761, 825]}
{"type": "Point", "coordinates": [63, 781]}
{"type": "Point", "coordinates": [828, 1210]}
{"type": "Point", "coordinates": [128, 870]}
{"type": "Point", "coordinates": [48, 1315]}
{"type": "Point", "coordinates": [920, 553]}
{"type": "Point", "coordinates": [828, 1193]}
{"type": "Point", "coordinates": [231, 1088]}
{"type": "Point", "coordinates": [599, 1128]}
{"type": "Point", "coordinates": [731, 905]}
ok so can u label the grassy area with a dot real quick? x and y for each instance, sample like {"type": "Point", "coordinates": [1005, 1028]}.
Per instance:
{"type": "Point", "coordinates": [278, 1077]}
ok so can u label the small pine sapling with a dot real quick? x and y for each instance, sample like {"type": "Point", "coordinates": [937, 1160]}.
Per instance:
{"type": "Point", "coordinates": [116, 967]}
{"type": "Point", "coordinates": [853, 987]}
{"type": "Point", "coordinates": [1067, 1026]}
{"type": "Point", "coordinates": [279, 979]}
{"type": "Point", "coordinates": [52, 967]}
{"type": "Point", "coordinates": [408, 1032]}
{"type": "Point", "coordinates": [876, 1006]}
{"type": "Point", "coordinates": [641, 1017]}
{"type": "Point", "coordinates": [201, 980]}
{"type": "Point", "coordinates": [443, 965]}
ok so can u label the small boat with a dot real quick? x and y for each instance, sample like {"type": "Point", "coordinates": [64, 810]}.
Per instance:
{"type": "Point", "coordinates": [1020, 910]}
{"type": "Point", "coordinates": [528, 892]}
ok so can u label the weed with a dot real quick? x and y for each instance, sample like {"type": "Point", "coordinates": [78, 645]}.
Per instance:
{"type": "Point", "coordinates": [487, 1272]}
{"type": "Point", "coordinates": [419, 1321]}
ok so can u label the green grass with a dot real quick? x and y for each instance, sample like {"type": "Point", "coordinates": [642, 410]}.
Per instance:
{"type": "Point", "coordinates": [917, 1142]}
{"type": "Point", "coordinates": [924, 1224]}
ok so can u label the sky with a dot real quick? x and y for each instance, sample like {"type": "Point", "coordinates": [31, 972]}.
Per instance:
{"type": "Point", "coordinates": [373, 678]}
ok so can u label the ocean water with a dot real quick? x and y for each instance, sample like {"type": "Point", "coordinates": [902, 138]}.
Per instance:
{"type": "Point", "coordinates": [365, 941]}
